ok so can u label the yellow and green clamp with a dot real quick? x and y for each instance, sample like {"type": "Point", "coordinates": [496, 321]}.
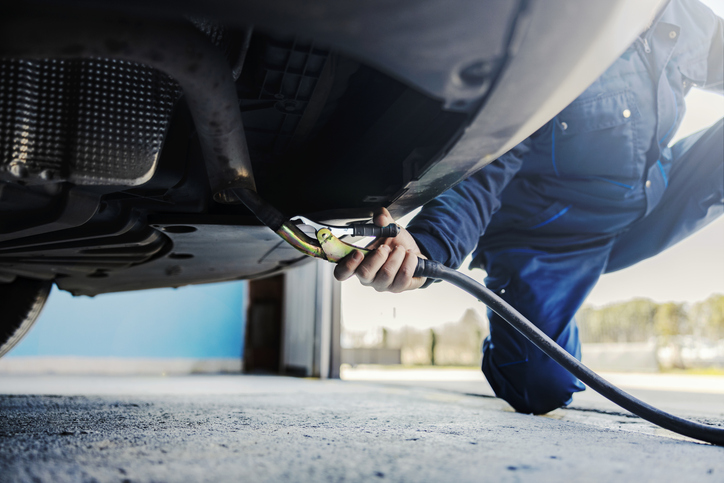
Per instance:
{"type": "Point", "coordinates": [327, 245]}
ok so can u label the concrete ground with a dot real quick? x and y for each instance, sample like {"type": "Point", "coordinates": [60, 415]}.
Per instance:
{"type": "Point", "coordinates": [683, 394]}
{"type": "Point", "coordinates": [246, 428]}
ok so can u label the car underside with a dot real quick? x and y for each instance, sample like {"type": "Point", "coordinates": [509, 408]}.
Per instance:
{"type": "Point", "coordinates": [124, 125]}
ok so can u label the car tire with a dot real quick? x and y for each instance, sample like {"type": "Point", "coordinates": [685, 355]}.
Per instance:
{"type": "Point", "coordinates": [21, 301]}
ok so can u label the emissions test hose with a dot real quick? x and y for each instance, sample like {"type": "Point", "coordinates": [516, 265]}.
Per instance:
{"type": "Point", "coordinates": [275, 220]}
{"type": "Point", "coordinates": [703, 432]}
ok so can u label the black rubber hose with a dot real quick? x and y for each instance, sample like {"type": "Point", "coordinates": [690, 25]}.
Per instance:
{"type": "Point", "coordinates": [265, 212]}
{"type": "Point", "coordinates": [703, 432]}
{"type": "Point", "coordinates": [367, 229]}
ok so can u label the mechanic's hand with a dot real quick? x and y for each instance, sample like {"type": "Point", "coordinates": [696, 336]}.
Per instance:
{"type": "Point", "coordinates": [390, 267]}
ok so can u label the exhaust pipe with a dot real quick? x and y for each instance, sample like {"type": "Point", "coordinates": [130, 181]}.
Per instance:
{"type": "Point", "coordinates": [187, 56]}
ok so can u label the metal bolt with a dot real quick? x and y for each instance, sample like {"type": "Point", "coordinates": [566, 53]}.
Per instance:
{"type": "Point", "coordinates": [47, 174]}
{"type": "Point", "coordinates": [287, 106]}
{"type": "Point", "coordinates": [18, 170]}
{"type": "Point", "coordinates": [477, 73]}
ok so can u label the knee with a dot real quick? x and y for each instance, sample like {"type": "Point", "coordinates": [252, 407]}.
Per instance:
{"type": "Point", "coordinates": [533, 387]}
{"type": "Point", "coordinates": [548, 393]}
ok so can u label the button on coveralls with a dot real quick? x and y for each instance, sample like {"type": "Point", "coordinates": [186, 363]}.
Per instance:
{"type": "Point", "coordinates": [594, 190]}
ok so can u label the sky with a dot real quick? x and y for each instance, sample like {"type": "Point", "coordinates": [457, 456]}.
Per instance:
{"type": "Point", "coordinates": [716, 5]}
{"type": "Point", "coordinates": [690, 271]}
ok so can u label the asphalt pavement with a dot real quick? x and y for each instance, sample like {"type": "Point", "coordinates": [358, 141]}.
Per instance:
{"type": "Point", "coordinates": [247, 428]}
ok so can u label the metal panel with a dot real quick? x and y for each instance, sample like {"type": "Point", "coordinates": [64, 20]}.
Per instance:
{"type": "Point", "coordinates": [299, 320]}
{"type": "Point", "coordinates": [311, 321]}
{"type": "Point", "coordinates": [89, 121]}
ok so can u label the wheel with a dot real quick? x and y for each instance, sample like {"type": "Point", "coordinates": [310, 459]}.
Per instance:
{"type": "Point", "coordinates": [21, 301]}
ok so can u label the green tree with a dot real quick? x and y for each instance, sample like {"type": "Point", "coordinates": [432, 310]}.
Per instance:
{"type": "Point", "coordinates": [707, 318]}
{"type": "Point", "coordinates": [433, 343]}
{"type": "Point", "coordinates": [670, 319]}
{"type": "Point", "coordinates": [630, 321]}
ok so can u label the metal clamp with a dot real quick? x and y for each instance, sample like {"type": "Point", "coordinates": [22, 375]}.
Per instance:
{"type": "Point", "coordinates": [327, 245]}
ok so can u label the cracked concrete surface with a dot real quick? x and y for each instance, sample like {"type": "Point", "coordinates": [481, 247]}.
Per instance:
{"type": "Point", "coordinates": [244, 428]}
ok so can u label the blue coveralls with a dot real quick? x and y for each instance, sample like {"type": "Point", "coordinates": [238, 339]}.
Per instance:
{"type": "Point", "coordinates": [593, 191]}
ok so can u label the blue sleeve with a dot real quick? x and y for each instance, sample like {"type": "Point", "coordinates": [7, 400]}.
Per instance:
{"type": "Point", "coordinates": [448, 228]}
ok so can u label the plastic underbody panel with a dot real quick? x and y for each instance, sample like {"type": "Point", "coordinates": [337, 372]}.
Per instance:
{"type": "Point", "coordinates": [103, 186]}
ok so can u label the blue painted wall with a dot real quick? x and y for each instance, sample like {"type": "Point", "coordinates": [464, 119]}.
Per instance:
{"type": "Point", "coordinates": [203, 321]}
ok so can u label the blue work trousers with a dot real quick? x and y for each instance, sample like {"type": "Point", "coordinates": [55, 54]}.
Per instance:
{"type": "Point", "coordinates": [549, 284]}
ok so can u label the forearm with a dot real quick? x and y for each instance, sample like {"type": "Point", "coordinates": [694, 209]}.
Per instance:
{"type": "Point", "coordinates": [447, 228]}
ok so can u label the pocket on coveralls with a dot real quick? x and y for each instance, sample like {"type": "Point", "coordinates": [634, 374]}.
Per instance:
{"type": "Point", "coordinates": [595, 138]}
{"type": "Point", "coordinates": [543, 218]}
{"type": "Point", "coordinates": [694, 71]}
